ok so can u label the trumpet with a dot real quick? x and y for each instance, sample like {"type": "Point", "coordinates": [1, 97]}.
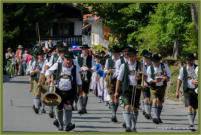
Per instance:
{"type": "Point", "coordinates": [51, 98]}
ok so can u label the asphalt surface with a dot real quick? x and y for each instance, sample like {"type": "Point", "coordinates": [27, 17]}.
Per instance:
{"type": "Point", "coordinates": [18, 114]}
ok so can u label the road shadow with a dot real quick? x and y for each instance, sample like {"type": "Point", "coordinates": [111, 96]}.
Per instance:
{"type": "Point", "coordinates": [23, 82]}
{"type": "Point", "coordinates": [105, 127]}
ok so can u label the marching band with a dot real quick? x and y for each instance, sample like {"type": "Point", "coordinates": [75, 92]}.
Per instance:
{"type": "Point", "coordinates": [59, 80]}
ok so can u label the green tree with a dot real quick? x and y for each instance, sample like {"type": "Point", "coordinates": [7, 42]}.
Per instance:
{"type": "Point", "coordinates": [20, 23]}
{"type": "Point", "coordinates": [171, 31]}
{"type": "Point", "coordinates": [124, 19]}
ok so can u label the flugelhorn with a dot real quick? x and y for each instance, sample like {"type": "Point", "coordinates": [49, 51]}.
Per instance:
{"type": "Point", "coordinates": [51, 98]}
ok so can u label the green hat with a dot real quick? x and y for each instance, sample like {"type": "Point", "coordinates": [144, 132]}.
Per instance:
{"type": "Point", "coordinates": [35, 54]}
{"type": "Point", "coordinates": [85, 46]}
{"type": "Point", "coordinates": [114, 49]}
{"type": "Point", "coordinates": [69, 54]}
{"type": "Point", "coordinates": [63, 49]}
{"type": "Point", "coordinates": [125, 47]}
{"type": "Point", "coordinates": [147, 55]}
{"type": "Point", "coordinates": [52, 49]}
{"type": "Point", "coordinates": [132, 51]}
{"type": "Point", "coordinates": [190, 56]}
{"type": "Point", "coordinates": [156, 58]}
{"type": "Point", "coordinates": [59, 44]}
{"type": "Point", "coordinates": [40, 52]}
{"type": "Point", "coordinates": [144, 52]}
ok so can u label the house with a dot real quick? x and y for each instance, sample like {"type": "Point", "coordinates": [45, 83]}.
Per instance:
{"type": "Point", "coordinates": [94, 32]}
{"type": "Point", "coordinates": [68, 27]}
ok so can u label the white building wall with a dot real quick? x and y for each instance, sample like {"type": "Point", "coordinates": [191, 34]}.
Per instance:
{"type": "Point", "coordinates": [78, 28]}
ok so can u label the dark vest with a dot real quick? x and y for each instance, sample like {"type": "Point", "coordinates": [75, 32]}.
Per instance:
{"type": "Point", "coordinates": [185, 78]}
{"type": "Point", "coordinates": [88, 63]}
{"type": "Point", "coordinates": [125, 82]}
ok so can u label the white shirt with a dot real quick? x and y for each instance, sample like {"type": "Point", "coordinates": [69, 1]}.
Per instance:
{"type": "Point", "coordinates": [132, 77]}
{"type": "Point", "coordinates": [114, 67]}
{"type": "Point", "coordinates": [33, 66]}
{"type": "Point", "coordinates": [65, 84]}
{"type": "Point", "coordinates": [157, 73]}
{"type": "Point", "coordinates": [118, 64]}
{"type": "Point", "coordinates": [180, 77]}
{"type": "Point", "coordinates": [42, 65]}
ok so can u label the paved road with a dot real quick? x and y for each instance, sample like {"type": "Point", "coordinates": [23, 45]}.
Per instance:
{"type": "Point", "coordinates": [19, 116]}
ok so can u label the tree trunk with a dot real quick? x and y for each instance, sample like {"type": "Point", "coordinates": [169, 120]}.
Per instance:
{"type": "Point", "coordinates": [175, 49]}
{"type": "Point", "coordinates": [194, 14]}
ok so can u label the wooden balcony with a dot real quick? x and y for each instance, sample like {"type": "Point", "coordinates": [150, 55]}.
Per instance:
{"type": "Point", "coordinates": [68, 39]}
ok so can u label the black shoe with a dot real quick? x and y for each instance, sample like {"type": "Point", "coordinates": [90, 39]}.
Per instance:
{"type": "Point", "coordinates": [56, 123]}
{"type": "Point", "coordinates": [114, 119]}
{"type": "Point", "coordinates": [128, 130]}
{"type": "Point", "coordinates": [124, 125]}
{"type": "Point", "coordinates": [51, 114]}
{"type": "Point", "coordinates": [144, 113]}
{"type": "Point", "coordinates": [147, 116]}
{"type": "Point", "coordinates": [81, 112]}
{"type": "Point", "coordinates": [155, 120]}
{"type": "Point", "coordinates": [35, 109]}
{"type": "Point", "coordinates": [70, 127]}
{"type": "Point", "coordinates": [43, 111]}
{"type": "Point", "coordinates": [85, 111]}
{"type": "Point", "coordinates": [192, 128]}
{"type": "Point", "coordinates": [60, 128]}
{"type": "Point", "coordinates": [160, 121]}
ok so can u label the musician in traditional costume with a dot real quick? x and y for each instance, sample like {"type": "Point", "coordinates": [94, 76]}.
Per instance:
{"type": "Point", "coordinates": [34, 73]}
{"type": "Point", "coordinates": [41, 82]}
{"type": "Point", "coordinates": [10, 62]}
{"type": "Point", "coordinates": [68, 81]}
{"type": "Point", "coordinates": [188, 75]}
{"type": "Point", "coordinates": [110, 71]}
{"type": "Point", "coordinates": [158, 76]}
{"type": "Point", "coordinates": [130, 77]}
{"type": "Point", "coordinates": [146, 90]}
{"type": "Point", "coordinates": [86, 62]}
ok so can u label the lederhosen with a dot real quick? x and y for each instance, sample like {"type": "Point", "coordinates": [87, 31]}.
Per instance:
{"type": "Point", "coordinates": [67, 97]}
{"type": "Point", "coordinates": [146, 90]}
{"type": "Point", "coordinates": [191, 98]}
{"type": "Point", "coordinates": [113, 81]}
{"type": "Point", "coordinates": [158, 91]}
{"type": "Point", "coordinates": [85, 83]}
{"type": "Point", "coordinates": [128, 90]}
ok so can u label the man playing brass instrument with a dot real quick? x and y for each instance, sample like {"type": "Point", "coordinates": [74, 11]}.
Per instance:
{"type": "Point", "coordinates": [67, 83]}
{"type": "Point", "coordinates": [146, 90]}
{"type": "Point", "coordinates": [110, 71]}
{"type": "Point", "coordinates": [130, 78]}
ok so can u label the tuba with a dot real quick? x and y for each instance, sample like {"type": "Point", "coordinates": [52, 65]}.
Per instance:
{"type": "Point", "coordinates": [51, 98]}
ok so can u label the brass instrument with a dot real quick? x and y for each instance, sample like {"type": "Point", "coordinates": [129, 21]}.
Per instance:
{"type": "Point", "coordinates": [108, 80]}
{"type": "Point", "coordinates": [192, 74]}
{"type": "Point", "coordinates": [51, 98]}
